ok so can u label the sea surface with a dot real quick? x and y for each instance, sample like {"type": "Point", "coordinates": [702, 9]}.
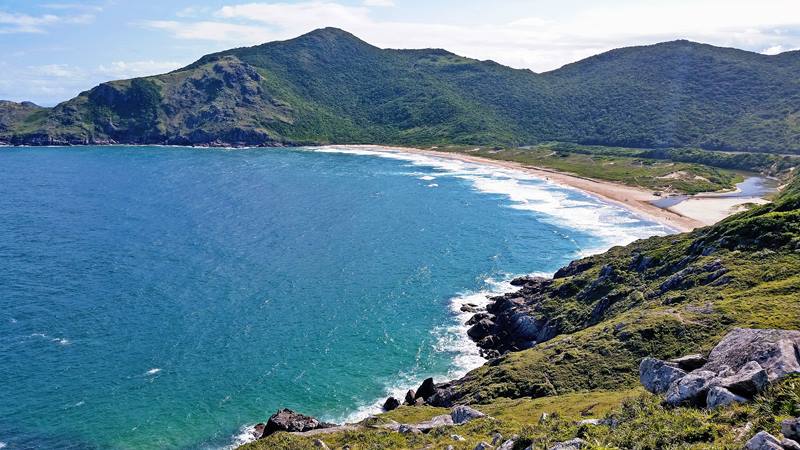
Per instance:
{"type": "Point", "coordinates": [168, 298]}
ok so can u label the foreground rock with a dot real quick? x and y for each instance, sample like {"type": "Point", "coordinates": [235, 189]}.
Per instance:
{"type": "Point", "coordinates": [765, 441]}
{"type": "Point", "coordinates": [292, 422]}
{"type": "Point", "coordinates": [464, 414]}
{"type": "Point", "coordinates": [656, 376]}
{"type": "Point", "coordinates": [739, 367]}
{"type": "Point", "coordinates": [774, 350]}
{"type": "Point", "coordinates": [791, 428]}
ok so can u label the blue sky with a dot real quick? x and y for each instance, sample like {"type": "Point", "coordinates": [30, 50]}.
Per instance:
{"type": "Point", "coordinates": [51, 50]}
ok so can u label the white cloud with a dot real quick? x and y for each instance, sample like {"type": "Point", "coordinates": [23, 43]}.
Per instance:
{"type": "Point", "coordinates": [56, 71]}
{"type": "Point", "coordinates": [25, 23]}
{"type": "Point", "coordinates": [383, 3]}
{"type": "Point", "coordinates": [132, 69]}
{"type": "Point", "coordinates": [535, 39]}
{"type": "Point", "coordinates": [212, 31]}
{"type": "Point", "coordinates": [299, 15]}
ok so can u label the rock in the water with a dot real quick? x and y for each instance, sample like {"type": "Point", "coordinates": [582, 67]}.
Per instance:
{"type": "Point", "coordinates": [689, 363]}
{"type": "Point", "coordinates": [319, 444]}
{"type": "Point", "coordinates": [719, 396]}
{"type": "Point", "coordinates": [775, 350]}
{"type": "Point", "coordinates": [691, 389]}
{"type": "Point", "coordinates": [763, 441]}
{"type": "Point", "coordinates": [656, 375]}
{"type": "Point", "coordinates": [791, 428]}
{"type": "Point", "coordinates": [258, 430]}
{"type": "Point", "coordinates": [426, 389]}
{"type": "Point", "coordinates": [410, 397]}
{"type": "Point", "coordinates": [391, 404]}
{"type": "Point", "coordinates": [483, 328]}
{"type": "Point", "coordinates": [464, 414]}
{"type": "Point", "coordinates": [288, 420]}
{"type": "Point", "coordinates": [748, 381]}
{"type": "Point", "coordinates": [572, 444]}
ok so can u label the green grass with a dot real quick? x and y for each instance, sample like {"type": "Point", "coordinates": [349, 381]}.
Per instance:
{"type": "Point", "coordinates": [635, 420]}
{"type": "Point", "coordinates": [653, 174]}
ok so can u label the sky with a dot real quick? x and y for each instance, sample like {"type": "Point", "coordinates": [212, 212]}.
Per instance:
{"type": "Point", "coordinates": [51, 50]}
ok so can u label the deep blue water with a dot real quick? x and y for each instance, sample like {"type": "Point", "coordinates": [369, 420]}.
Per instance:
{"type": "Point", "coordinates": [164, 297]}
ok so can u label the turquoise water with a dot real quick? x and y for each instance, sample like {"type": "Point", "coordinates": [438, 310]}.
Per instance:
{"type": "Point", "coordinates": [166, 297]}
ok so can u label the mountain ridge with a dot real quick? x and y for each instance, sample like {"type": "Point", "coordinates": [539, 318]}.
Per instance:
{"type": "Point", "coordinates": [328, 86]}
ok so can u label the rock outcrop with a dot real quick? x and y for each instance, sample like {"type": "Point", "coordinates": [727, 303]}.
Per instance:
{"type": "Point", "coordinates": [743, 363]}
{"type": "Point", "coordinates": [290, 421]}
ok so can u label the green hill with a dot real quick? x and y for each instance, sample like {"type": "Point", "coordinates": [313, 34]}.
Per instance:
{"type": "Point", "coordinates": [330, 87]}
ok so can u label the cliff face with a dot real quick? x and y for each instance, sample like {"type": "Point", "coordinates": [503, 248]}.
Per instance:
{"type": "Point", "coordinates": [330, 87]}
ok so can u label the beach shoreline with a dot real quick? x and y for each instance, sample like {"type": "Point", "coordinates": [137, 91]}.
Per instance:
{"type": "Point", "coordinates": [629, 197]}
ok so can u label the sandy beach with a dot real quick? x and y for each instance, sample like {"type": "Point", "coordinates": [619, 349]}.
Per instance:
{"type": "Point", "coordinates": [629, 197]}
{"type": "Point", "coordinates": [685, 216]}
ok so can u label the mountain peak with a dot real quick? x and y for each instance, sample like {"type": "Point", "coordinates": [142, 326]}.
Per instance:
{"type": "Point", "coordinates": [330, 34]}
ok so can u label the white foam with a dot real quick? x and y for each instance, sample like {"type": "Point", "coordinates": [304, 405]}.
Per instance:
{"type": "Point", "coordinates": [57, 340]}
{"type": "Point", "coordinates": [433, 185]}
{"type": "Point", "coordinates": [427, 178]}
{"type": "Point", "coordinates": [245, 435]}
{"type": "Point", "coordinates": [2, 445]}
{"type": "Point", "coordinates": [451, 338]}
{"type": "Point", "coordinates": [560, 205]}
{"type": "Point", "coordinates": [153, 371]}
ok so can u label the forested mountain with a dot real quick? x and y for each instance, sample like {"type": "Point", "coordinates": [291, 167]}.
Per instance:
{"type": "Point", "coordinates": [330, 87]}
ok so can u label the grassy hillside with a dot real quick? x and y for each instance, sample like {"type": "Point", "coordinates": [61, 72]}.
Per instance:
{"type": "Point", "coordinates": [330, 87]}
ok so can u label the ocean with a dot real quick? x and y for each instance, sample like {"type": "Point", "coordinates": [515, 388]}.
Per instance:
{"type": "Point", "coordinates": [168, 298]}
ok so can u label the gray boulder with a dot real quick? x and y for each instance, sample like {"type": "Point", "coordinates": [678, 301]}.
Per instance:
{"type": "Point", "coordinates": [689, 363]}
{"type": "Point", "coordinates": [408, 429]}
{"type": "Point", "coordinates": [321, 445]}
{"type": "Point", "coordinates": [656, 375]}
{"type": "Point", "coordinates": [719, 396]}
{"type": "Point", "coordinates": [691, 389]}
{"type": "Point", "coordinates": [763, 441]}
{"type": "Point", "coordinates": [791, 428]}
{"type": "Point", "coordinates": [483, 446]}
{"type": "Point", "coordinates": [497, 438]}
{"type": "Point", "coordinates": [464, 414]}
{"type": "Point", "coordinates": [789, 444]}
{"type": "Point", "coordinates": [435, 422]}
{"type": "Point", "coordinates": [748, 381]}
{"type": "Point", "coordinates": [572, 444]}
{"type": "Point", "coordinates": [507, 445]}
{"type": "Point", "coordinates": [775, 350]}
